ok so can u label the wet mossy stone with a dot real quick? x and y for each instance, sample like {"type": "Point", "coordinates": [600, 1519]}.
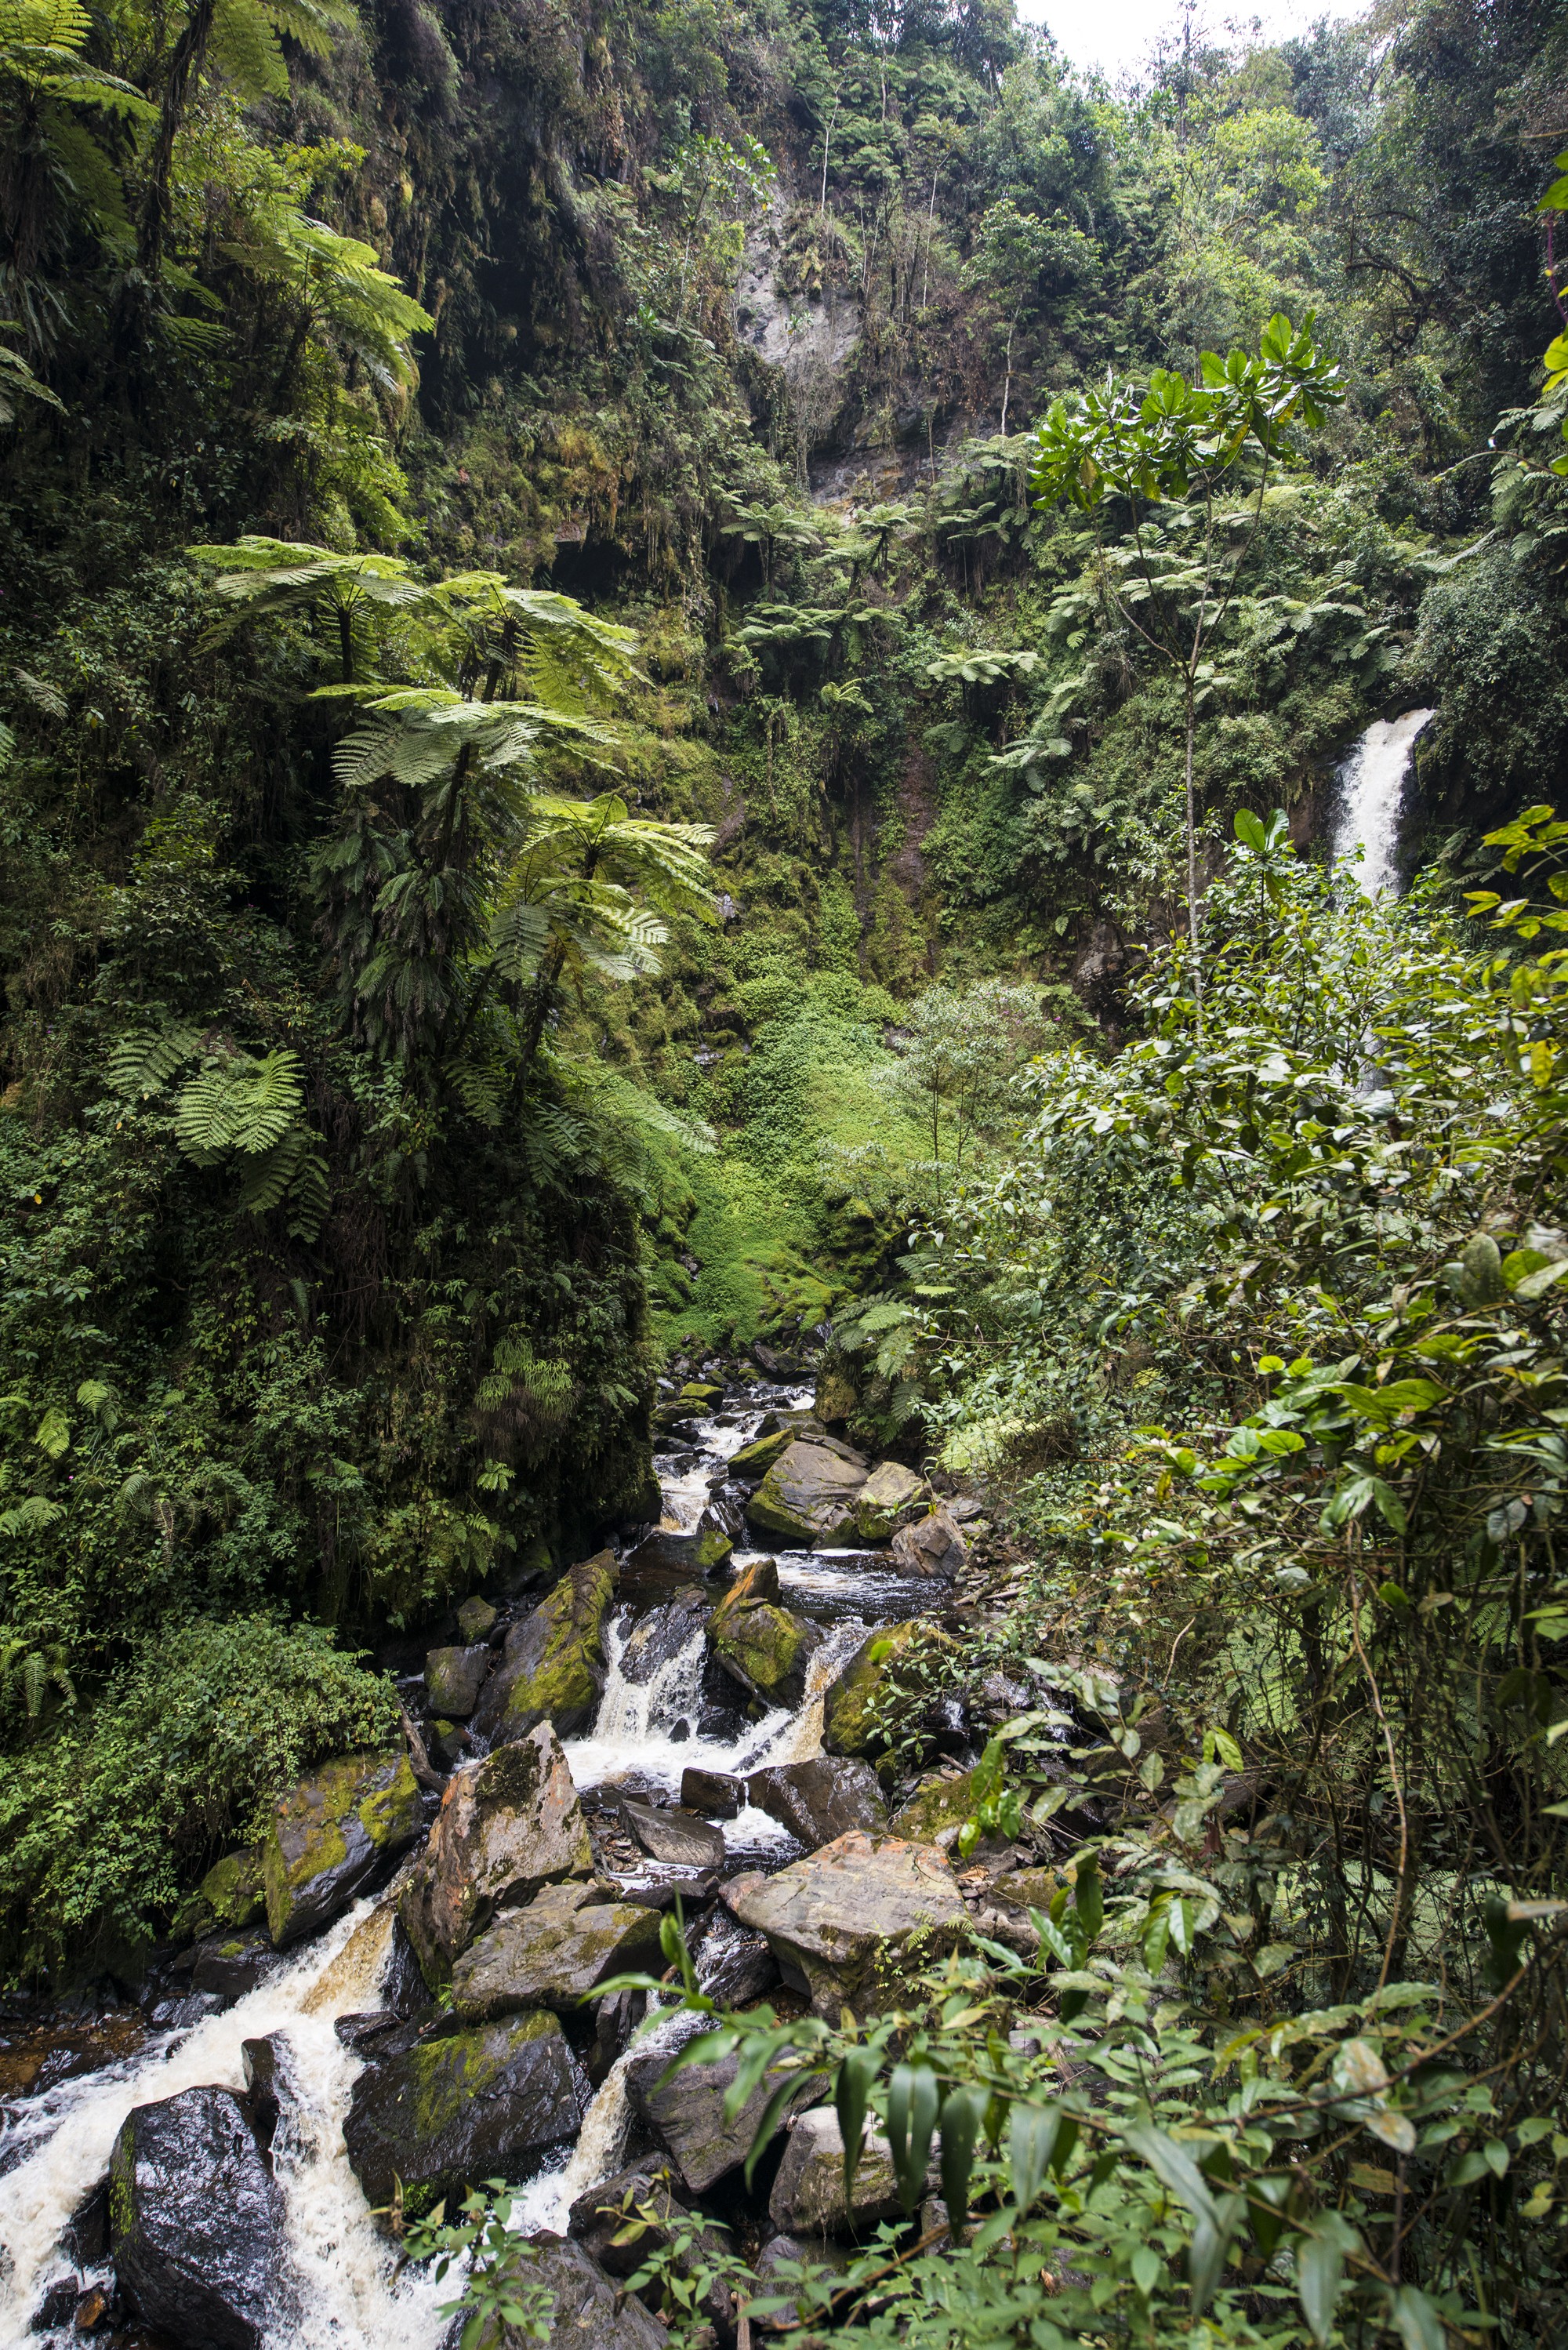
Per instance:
{"type": "Point", "coordinates": [453, 2111]}
{"type": "Point", "coordinates": [231, 1894]}
{"type": "Point", "coordinates": [476, 1619]}
{"type": "Point", "coordinates": [765, 1646]}
{"type": "Point", "coordinates": [808, 1495]}
{"type": "Point", "coordinates": [685, 2116]}
{"type": "Point", "coordinates": [888, 1499]}
{"type": "Point", "coordinates": [700, 1391]}
{"type": "Point", "coordinates": [936, 1805]}
{"type": "Point", "coordinates": [335, 1835]}
{"type": "Point", "coordinates": [552, 1668]}
{"type": "Point", "coordinates": [453, 1679]}
{"type": "Point", "coordinates": [843, 1920]}
{"type": "Point", "coordinates": [196, 2222]}
{"type": "Point", "coordinates": [554, 1953]}
{"type": "Point", "coordinates": [750, 1464]}
{"type": "Point", "coordinates": [508, 1825]}
{"type": "Point", "coordinates": [820, 1800]}
{"type": "Point", "coordinates": [848, 1716]}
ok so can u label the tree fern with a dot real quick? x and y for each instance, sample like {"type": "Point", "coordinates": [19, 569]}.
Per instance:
{"type": "Point", "coordinates": [238, 1104]}
{"type": "Point", "coordinates": [141, 1064]}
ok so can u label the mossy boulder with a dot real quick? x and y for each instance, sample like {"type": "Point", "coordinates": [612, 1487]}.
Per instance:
{"type": "Point", "coordinates": [760, 1643]}
{"type": "Point", "coordinates": [849, 1718]}
{"type": "Point", "coordinates": [333, 1837]}
{"type": "Point", "coordinates": [475, 1618]}
{"type": "Point", "coordinates": [552, 1668]}
{"type": "Point", "coordinates": [453, 1679]}
{"type": "Point", "coordinates": [700, 1393]}
{"type": "Point", "coordinates": [888, 1499]}
{"type": "Point", "coordinates": [508, 1825]}
{"type": "Point", "coordinates": [839, 1920]}
{"type": "Point", "coordinates": [836, 1398]}
{"type": "Point", "coordinates": [230, 1896]}
{"type": "Point", "coordinates": [750, 1464]}
{"type": "Point", "coordinates": [936, 1805]}
{"type": "Point", "coordinates": [554, 1953]}
{"type": "Point", "coordinates": [449, 2112]}
{"type": "Point", "coordinates": [809, 1493]}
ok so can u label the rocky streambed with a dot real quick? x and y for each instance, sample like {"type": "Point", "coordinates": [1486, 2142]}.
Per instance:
{"type": "Point", "coordinates": [392, 1996]}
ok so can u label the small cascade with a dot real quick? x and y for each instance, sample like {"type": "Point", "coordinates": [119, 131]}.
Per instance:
{"type": "Point", "coordinates": [1372, 788]}
{"type": "Point", "coordinates": [343, 2268]}
{"type": "Point", "coordinates": [547, 2201]}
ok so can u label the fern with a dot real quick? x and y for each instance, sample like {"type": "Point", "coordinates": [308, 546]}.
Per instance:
{"type": "Point", "coordinates": [36, 1515]}
{"type": "Point", "coordinates": [238, 1104]}
{"type": "Point", "coordinates": [142, 1063]}
{"type": "Point", "coordinates": [294, 1173]}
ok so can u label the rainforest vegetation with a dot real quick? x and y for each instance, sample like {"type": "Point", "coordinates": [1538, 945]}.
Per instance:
{"type": "Point", "coordinates": [671, 675]}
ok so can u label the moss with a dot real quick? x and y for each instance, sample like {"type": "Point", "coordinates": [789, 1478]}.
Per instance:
{"type": "Point", "coordinates": [385, 1816]}
{"type": "Point", "coordinates": [122, 2182]}
{"type": "Point", "coordinates": [448, 2074]}
{"type": "Point", "coordinates": [754, 1459]}
{"type": "Point", "coordinates": [233, 1888]}
{"type": "Point", "coordinates": [848, 1725]}
{"type": "Point", "coordinates": [940, 1804]}
{"type": "Point", "coordinates": [561, 1682]}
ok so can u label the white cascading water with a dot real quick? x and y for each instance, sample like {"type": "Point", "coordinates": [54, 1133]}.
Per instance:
{"type": "Point", "coordinates": [1372, 787]}
{"type": "Point", "coordinates": [347, 2294]}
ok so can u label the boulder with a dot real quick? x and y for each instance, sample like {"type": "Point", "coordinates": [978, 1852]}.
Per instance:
{"type": "Point", "coordinates": [661, 1634]}
{"type": "Point", "coordinates": [808, 1493]}
{"type": "Point", "coordinates": [196, 2221]}
{"type": "Point", "coordinates": [835, 1917]}
{"type": "Point", "coordinates": [778, 2265]}
{"type": "Point", "coordinates": [807, 2197]}
{"type": "Point", "coordinates": [447, 2113]}
{"type": "Point", "coordinates": [933, 1545]}
{"type": "Point", "coordinates": [552, 1668]}
{"type": "Point", "coordinates": [333, 1835]}
{"type": "Point", "coordinates": [835, 1397]}
{"type": "Point", "coordinates": [553, 1953]}
{"type": "Point", "coordinates": [507, 1824]}
{"type": "Point", "coordinates": [750, 1464]}
{"type": "Point", "coordinates": [820, 1800]}
{"type": "Point", "coordinates": [453, 1679]}
{"type": "Point", "coordinates": [476, 1619]}
{"type": "Point", "coordinates": [766, 1647]}
{"type": "Point", "coordinates": [734, 1964]}
{"type": "Point", "coordinates": [701, 1549]}
{"type": "Point", "coordinates": [714, 1793]}
{"type": "Point", "coordinates": [888, 1499]}
{"type": "Point", "coordinates": [606, 2211]}
{"type": "Point", "coordinates": [234, 1891]}
{"type": "Point", "coordinates": [678, 1837]}
{"type": "Point", "coordinates": [1026, 1889]}
{"type": "Point", "coordinates": [269, 2083]}
{"type": "Point", "coordinates": [233, 1964]}
{"type": "Point", "coordinates": [937, 1806]}
{"type": "Point", "coordinates": [848, 1725]}
{"type": "Point", "coordinates": [685, 2115]}
{"type": "Point", "coordinates": [699, 1394]}
{"type": "Point", "coordinates": [450, 1743]}
{"type": "Point", "coordinates": [587, 2310]}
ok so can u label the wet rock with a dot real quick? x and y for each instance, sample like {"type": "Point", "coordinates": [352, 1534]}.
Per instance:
{"type": "Point", "coordinates": [453, 1679]}
{"type": "Point", "coordinates": [848, 1724]}
{"type": "Point", "coordinates": [734, 1963]}
{"type": "Point", "coordinates": [691, 1886]}
{"type": "Point", "coordinates": [685, 2115]}
{"type": "Point", "coordinates": [231, 1894]}
{"type": "Point", "coordinates": [764, 1645]}
{"type": "Point", "coordinates": [809, 1492]}
{"type": "Point", "coordinates": [267, 2083]}
{"type": "Point", "coordinates": [552, 1668]}
{"type": "Point", "coordinates": [713, 1793]}
{"type": "Point", "coordinates": [937, 1807]}
{"type": "Point", "coordinates": [369, 2033]}
{"type": "Point", "coordinates": [835, 1919]}
{"type": "Point", "coordinates": [553, 1953]}
{"type": "Point", "coordinates": [698, 1394]}
{"type": "Point", "coordinates": [476, 1619]}
{"type": "Point", "coordinates": [57, 2307]}
{"type": "Point", "coordinates": [781, 2255]}
{"type": "Point", "coordinates": [750, 1464]}
{"type": "Point", "coordinates": [335, 1835]}
{"type": "Point", "coordinates": [678, 1837]}
{"type": "Point", "coordinates": [508, 1825]}
{"type": "Point", "coordinates": [449, 2112]}
{"type": "Point", "coordinates": [234, 1966]}
{"type": "Point", "coordinates": [586, 2312]}
{"type": "Point", "coordinates": [85, 2238]}
{"type": "Point", "coordinates": [701, 1549]}
{"type": "Point", "coordinates": [646, 2194]}
{"type": "Point", "coordinates": [196, 2220]}
{"type": "Point", "coordinates": [450, 1743]}
{"type": "Point", "coordinates": [835, 1397]}
{"type": "Point", "coordinates": [820, 1800]}
{"type": "Point", "coordinates": [1026, 1889]}
{"type": "Point", "coordinates": [616, 2018]}
{"type": "Point", "coordinates": [933, 1545]}
{"type": "Point", "coordinates": [663, 1633]}
{"type": "Point", "coordinates": [888, 1499]}
{"type": "Point", "coordinates": [807, 2197]}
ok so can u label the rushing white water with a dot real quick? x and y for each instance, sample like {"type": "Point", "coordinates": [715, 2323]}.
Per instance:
{"type": "Point", "coordinates": [1372, 786]}
{"type": "Point", "coordinates": [345, 2292]}
{"type": "Point", "coordinates": [343, 2268]}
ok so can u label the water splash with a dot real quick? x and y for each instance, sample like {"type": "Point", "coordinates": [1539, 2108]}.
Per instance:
{"type": "Point", "coordinates": [1372, 787]}
{"type": "Point", "coordinates": [547, 2201]}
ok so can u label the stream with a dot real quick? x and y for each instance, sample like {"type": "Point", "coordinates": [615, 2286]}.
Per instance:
{"type": "Point", "coordinates": [346, 2293]}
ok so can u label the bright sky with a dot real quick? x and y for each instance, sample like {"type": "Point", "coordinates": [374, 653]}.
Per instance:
{"type": "Point", "coordinates": [1116, 35]}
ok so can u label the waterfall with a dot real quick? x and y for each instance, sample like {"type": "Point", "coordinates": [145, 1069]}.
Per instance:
{"type": "Point", "coordinates": [344, 2267]}
{"type": "Point", "coordinates": [1372, 786]}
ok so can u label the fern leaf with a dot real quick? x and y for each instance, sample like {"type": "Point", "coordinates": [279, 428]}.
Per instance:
{"type": "Point", "coordinates": [142, 1063]}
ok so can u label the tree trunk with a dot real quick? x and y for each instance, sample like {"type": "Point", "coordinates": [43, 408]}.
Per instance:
{"type": "Point", "coordinates": [1192, 864]}
{"type": "Point", "coordinates": [185, 63]}
{"type": "Point", "coordinates": [1007, 386]}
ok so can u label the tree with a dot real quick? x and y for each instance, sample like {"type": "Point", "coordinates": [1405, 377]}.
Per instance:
{"type": "Point", "coordinates": [1011, 251]}
{"type": "Point", "coordinates": [1183, 447]}
{"type": "Point", "coordinates": [964, 1045]}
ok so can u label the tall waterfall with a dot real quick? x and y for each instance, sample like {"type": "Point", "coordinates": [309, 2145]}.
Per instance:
{"type": "Point", "coordinates": [1372, 786]}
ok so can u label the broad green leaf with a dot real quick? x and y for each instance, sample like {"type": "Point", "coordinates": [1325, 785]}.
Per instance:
{"type": "Point", "coordinates": [1319, 2270]}
{"type": "Point", "coordinates": [913, 2098]}
{"type": "Point", "coordinates": [856, 2075]}
{"type": "Point", "coordinates": [1032, 2133]}
{"type": "Point", "coordinates": [1419, 2326]}
{"type": "Point", "coordinates": [963, 2114]}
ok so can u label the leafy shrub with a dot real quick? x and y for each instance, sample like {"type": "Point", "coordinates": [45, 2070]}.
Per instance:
{"type": "Point", "coordinates": [102, 1820]}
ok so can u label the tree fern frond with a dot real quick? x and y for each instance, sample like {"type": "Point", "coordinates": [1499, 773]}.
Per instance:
{"type": "Point", "coordinates": [238, 1104]}
{"type": "Point", "coordinates": [142, 1063]}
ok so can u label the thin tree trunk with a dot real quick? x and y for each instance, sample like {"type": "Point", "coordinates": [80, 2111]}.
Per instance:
{"type": "Point", "coordinates": [189, 50]}
{"type": "Point", "coordinates": [1192, 864]}
{"type": "Point", "coordinates": [1007, 387]}
{"type": "Point", "coordinates": [827, 143]}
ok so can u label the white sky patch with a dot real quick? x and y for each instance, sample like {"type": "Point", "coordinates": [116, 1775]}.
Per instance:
{"type": "Point", "coordinates": [1117, 36]}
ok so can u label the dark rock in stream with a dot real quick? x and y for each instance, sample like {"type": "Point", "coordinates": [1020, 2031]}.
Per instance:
{"type": "Point", "coordinates": [686, 2116]}
{"type": "Point", "coordinates": [453, 1679]}
{"type": "Point", "coordinates": [231, 1965]}
{"type": "Point", "coordinates": [601, 2215]}
{"type": "Point", "coordinates": [734, 1963]}
{"type": "Point", "coordinates": [333, 1837]}
{"type": "Point", "coordinates": [587, 2312]}
{"type": "Point", "coordinates": [267, 2083]}
{"type": "Point", "coordinates": [715, 1794]}
{"type": "Point", "coordinates": [552, 1668]}
{"type": "Point", "coordinates": [662, 1634]}
{"type": "Point", "coordinates": [197, 2222]}
{"type": "Point", "coordinates": [553, 1953]}
{"type": "Point", "coordinates": [820, 1800]}
{"type": "Point", "coordinates": [470, 2106]}
{"type": "Point", "coordinates": [764, 1645]}
{"type": "Point", "coordinates": [678, 1837]}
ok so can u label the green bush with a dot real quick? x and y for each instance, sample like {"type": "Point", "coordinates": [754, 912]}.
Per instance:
{"type": "Point", "coordinates": [105, 1818]}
